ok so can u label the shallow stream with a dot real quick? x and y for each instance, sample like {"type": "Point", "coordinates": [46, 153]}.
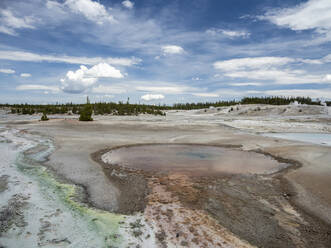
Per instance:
{"type": "Point", "coordinates": [38, 209]}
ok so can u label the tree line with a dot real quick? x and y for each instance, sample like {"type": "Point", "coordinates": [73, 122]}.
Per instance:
{"type": "Point", "coordinates": [279, 100]}
{"type": "Point", "coordinates": [100, 108]}
{"type": "Point", "coordinates": [120, 108]}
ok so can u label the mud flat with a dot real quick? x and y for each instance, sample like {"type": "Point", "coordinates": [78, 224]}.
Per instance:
{"type": "Point", "coordinates": [286, 204]}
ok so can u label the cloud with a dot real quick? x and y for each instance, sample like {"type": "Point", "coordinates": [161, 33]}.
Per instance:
{"type": "Point", "coordinates": [172, 49]}
{"type": "Point", "coordinates": [33, 57]}
{"type": "Point", "coordinates": [310, 15]}
{"type": "Point", "coordinates": [109, 89]}
{"type": "Point", "coordinates": [251, 63]}
{"type": "Point", "coordinates": [206, 94]}
{"type": "Point", "coordinates": [245, 84]}
{"type": "Point", "coordinates": [313, 14]}
{"type": "Point", "coordinates": [7, 71]}
{"type": "Point", "coordinates": [313, 93]}
{"type": "Point", "coordinates": [327, 78]}
{"type": "Point", "coordinates": [128, 4]}
{"type": "Point", "coordinates": [92, 10]}
{"type": "Point", "coordinates": [25, 75]}
{"type": "Point", "coordinates": [230, 93]}
{"type": "Point", "coordinates": [327, 59]}
{"type": "Point", "coordinates": [149, 97]}
{"type": "Point", "coordinates": [78, 81]}
{"type": "Point", "coordinates": [228, 33]}
{"type": "Point", "coordinates": [9, 22]}
{"type": "Point", "coordinates": [7, 30]}
{"type": "Point", "coordinates": [104, 70]}
{"type": "Point", "coordinates": [312, 61]}
{"type": "Point", "coordinates": [38, 87]}
{"type": "Point", "coordinates": [321, 93]}
{"type": "Point", "coordinates": [274, 69]}
{"type": "Point", "coordinates": [278, 76]}
{"type": "Point", "coordinates": [174, 89]}
{"type": "Point", "coordinates": [143, 86]}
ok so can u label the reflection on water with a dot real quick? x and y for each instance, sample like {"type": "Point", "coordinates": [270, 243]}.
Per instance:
{"type": "Point", "coordinates": [316, 138]}
{"type": "Point", "coordinates": [195, 155]}
{"type": "Point", "coordinates": [192, 159]}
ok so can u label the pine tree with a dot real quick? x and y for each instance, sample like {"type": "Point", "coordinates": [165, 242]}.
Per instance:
{"type": "Point", "coordinates": [86, 112]}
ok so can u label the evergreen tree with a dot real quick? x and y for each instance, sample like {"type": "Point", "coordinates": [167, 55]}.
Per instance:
{"type": "Point", "coordinates": [86, 112]}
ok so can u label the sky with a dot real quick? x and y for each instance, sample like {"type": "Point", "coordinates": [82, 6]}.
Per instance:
{"type": "Point", "coordinates": [163, 51]}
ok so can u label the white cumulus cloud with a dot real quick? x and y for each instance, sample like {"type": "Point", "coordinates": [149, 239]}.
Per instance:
{"type": "Point", "coordinates": [104, 70]}
{"type": "Point", "coordinates": [128, 4]}
{"type": "Point", "coordinates": [25, 75]}
{"type": "Point", "coordinates": [172, 49]}
{"type": "Point", "coordinates": [83, 78]}
{"type": "Point", "coordinates": [149, 97]}
{"type": "Point", "coordinates": [92, 10]}
{"type": "Point", "coordinates": [76, 82]}
{"type": "Point", "coordinates": [7, 71]}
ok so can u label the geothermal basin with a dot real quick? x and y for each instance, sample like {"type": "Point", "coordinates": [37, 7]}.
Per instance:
{"type": "Point", "coordinates": [97, 187]}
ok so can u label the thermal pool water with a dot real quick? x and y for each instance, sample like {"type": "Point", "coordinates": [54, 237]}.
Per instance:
{"type": "Point", "coordinates": [315, 138]}
{"type": "Point", "coordinates": [200, 160]}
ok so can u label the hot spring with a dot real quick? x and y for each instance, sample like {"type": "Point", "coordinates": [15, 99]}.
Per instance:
{"type": "Point", "coordinates": [194, 160]}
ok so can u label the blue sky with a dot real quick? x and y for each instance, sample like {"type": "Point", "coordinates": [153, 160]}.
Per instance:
{"type": "Point", "coordinates": [159, 51]}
